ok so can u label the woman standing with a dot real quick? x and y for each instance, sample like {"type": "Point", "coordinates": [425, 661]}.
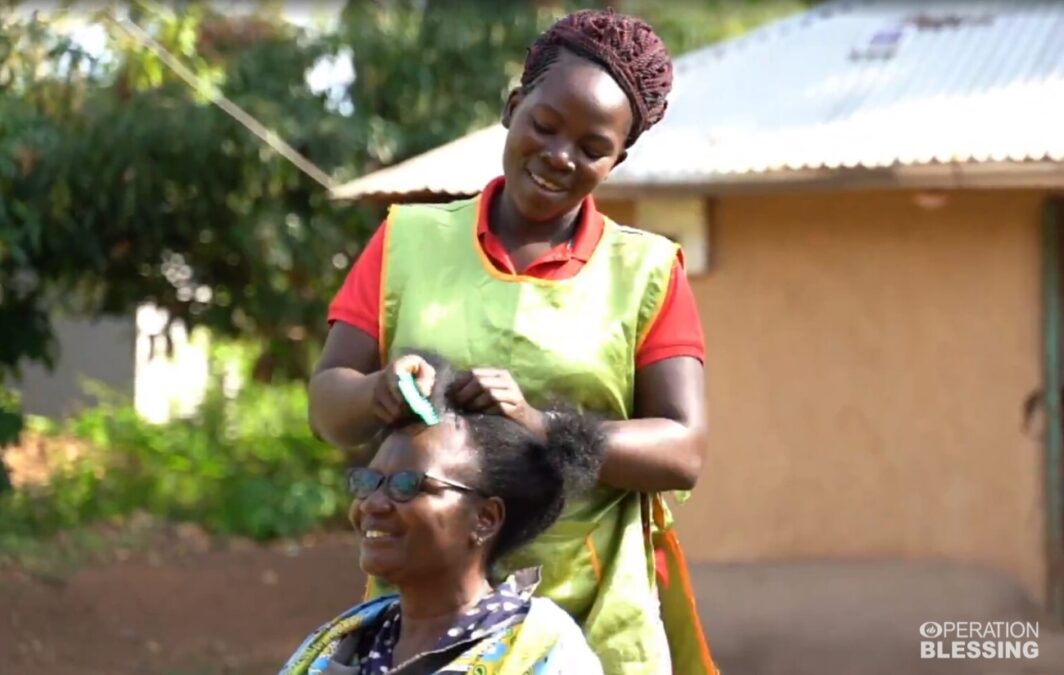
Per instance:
{"type": "Point", "coordinates": [538, 295]}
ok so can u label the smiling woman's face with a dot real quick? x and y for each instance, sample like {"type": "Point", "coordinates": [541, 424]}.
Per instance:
{"type": "Point", "coordinates": [565, 136]}
{"type": "Point", "coordinates": [429, 536]}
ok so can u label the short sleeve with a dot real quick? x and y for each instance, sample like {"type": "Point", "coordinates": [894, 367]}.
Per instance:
{"type": "Point", "coordinates": [358, 301]}
{"type": "Point", "coordinates": [677, 329]}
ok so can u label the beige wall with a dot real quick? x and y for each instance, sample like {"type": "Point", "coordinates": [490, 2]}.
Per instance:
{"type": "Point", "coordinates": [867, 360]}
{"type": "Point", "coordinates": [620, 210]}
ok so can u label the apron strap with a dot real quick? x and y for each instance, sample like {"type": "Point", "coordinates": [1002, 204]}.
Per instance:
{"type": "Point", "coordinates": [687, 641]}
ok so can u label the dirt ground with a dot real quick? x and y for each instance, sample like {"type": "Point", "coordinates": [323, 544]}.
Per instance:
{"type": "Point", "coordinates": [242, 610]}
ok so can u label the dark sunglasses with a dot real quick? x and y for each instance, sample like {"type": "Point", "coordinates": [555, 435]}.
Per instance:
{"type": "Point", "coordinates": [401, 486]}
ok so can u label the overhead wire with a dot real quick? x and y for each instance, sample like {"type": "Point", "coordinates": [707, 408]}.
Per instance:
{"type": "Point", "coordinates": [216, 97]}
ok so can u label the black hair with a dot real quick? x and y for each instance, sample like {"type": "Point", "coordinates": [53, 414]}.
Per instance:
{"type": "Point", "coordinates": [534, 478]}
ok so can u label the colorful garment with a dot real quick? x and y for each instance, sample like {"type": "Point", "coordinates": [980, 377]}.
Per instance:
{"type": "Point", "coordinates": [505, 603]}
{"type": "Point", "coordinates": [535, 637]}
{"type": "Point", "coordinates": [574, 339]}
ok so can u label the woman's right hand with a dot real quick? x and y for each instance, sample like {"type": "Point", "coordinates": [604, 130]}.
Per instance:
{"type": "Point", "coordinates": [388, 403]}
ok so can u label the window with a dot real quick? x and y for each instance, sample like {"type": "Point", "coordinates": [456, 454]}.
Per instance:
{"type": "Point", "coordinates": [684, 219]}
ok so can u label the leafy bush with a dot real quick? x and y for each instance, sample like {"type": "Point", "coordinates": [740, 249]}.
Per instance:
{"type": "Point", "coordinates": [245, 463]}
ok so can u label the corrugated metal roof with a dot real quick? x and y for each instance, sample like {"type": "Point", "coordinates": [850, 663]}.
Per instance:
{"type": "Point", "coordinates": [460, 167]}
{"type": "Point", "coordinates": [850, 85]}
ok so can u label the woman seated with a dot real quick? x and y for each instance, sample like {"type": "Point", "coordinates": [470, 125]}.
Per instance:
{"type": "Point", "coordinates": [436, 508]}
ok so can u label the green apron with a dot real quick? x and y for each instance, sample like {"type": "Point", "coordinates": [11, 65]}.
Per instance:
{"type": "Point", "coordinates": [574, 339]}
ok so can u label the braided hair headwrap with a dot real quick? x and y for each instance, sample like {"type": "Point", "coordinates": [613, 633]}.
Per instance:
{"type": "Point", "coordinates": [625, 46]}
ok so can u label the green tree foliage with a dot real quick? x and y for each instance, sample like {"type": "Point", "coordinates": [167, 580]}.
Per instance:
{"type": "Point", "coordinates": [429, 72]}
{"type": "Point", "coordinates": [129, 187]}
{"type": "Point", "coordinates": [244, 464]}
{"type": "Point", "coordinates": [152, 194]}
{"type": "Point", "coordinates": [30, 128]}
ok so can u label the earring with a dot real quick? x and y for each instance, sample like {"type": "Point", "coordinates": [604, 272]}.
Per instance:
{"type": "Point", "coordinates": [478, 540]}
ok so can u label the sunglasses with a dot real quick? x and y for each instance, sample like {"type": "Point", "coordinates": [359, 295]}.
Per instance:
{"type": "Point", "coordinates": [401, 486]}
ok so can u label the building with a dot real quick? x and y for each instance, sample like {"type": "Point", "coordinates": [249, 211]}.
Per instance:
{"type": "Point", "coordinates": [125, 357]}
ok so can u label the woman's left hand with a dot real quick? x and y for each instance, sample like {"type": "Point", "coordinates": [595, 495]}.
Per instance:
{"type": "Point", "coordinates": [494, 390]}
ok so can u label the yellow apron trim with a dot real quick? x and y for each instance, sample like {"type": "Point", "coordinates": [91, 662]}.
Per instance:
{"type": "Point", "coordinates": [496, 273]}
{"type": "Point", "coordinates": [596, 564]}
{"type": "Point", "coordinates": [489, 267]}
{"type": "Point", "coordinates": [382, 320]}
{"type": "Point", "coordinates": [673, 546]}
{"type": "Point", "coordinates": [657, 312]}
{"type": "Point", "coordinates": [658, 503]}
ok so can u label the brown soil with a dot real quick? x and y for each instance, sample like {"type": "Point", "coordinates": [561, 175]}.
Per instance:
{"type": "Point", "coordinates": [241, 608]}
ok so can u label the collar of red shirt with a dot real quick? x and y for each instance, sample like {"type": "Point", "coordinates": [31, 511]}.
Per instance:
{"type": "Point", "coordinates": [589, 229]}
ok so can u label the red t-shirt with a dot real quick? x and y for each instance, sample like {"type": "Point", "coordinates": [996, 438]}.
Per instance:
{"type": "Point", "coordinates": [677, 330]}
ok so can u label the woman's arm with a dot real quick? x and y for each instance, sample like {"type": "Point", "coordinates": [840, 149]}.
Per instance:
{"type": "Point", "coordinates": [351, 396]}
{"type": "Point", "coordinates": [663, 446]}
{"type": "Point", "coordinates": [341, 391]}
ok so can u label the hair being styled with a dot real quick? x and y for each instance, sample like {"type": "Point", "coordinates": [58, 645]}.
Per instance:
{"type": "Point", "coordinates": [625, 46]}
{"type": "Point", "coordinates": [534, 479]}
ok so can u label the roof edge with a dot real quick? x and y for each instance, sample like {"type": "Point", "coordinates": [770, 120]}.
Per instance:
{"type": "Point", "coordinates": [953, 176]}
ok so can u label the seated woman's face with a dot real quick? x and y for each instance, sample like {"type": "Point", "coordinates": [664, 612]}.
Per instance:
{"type": "Point", "coordinates": [432, 533]}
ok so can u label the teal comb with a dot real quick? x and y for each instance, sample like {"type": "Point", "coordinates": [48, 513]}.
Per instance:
{"type": "Point", "coordinates": [418, 403]}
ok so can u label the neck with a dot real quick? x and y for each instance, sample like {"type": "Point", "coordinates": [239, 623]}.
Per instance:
{"type": "Point", "coordinates": [432, 605]}
{"type": "Point", "coordinates": [513, 228]}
